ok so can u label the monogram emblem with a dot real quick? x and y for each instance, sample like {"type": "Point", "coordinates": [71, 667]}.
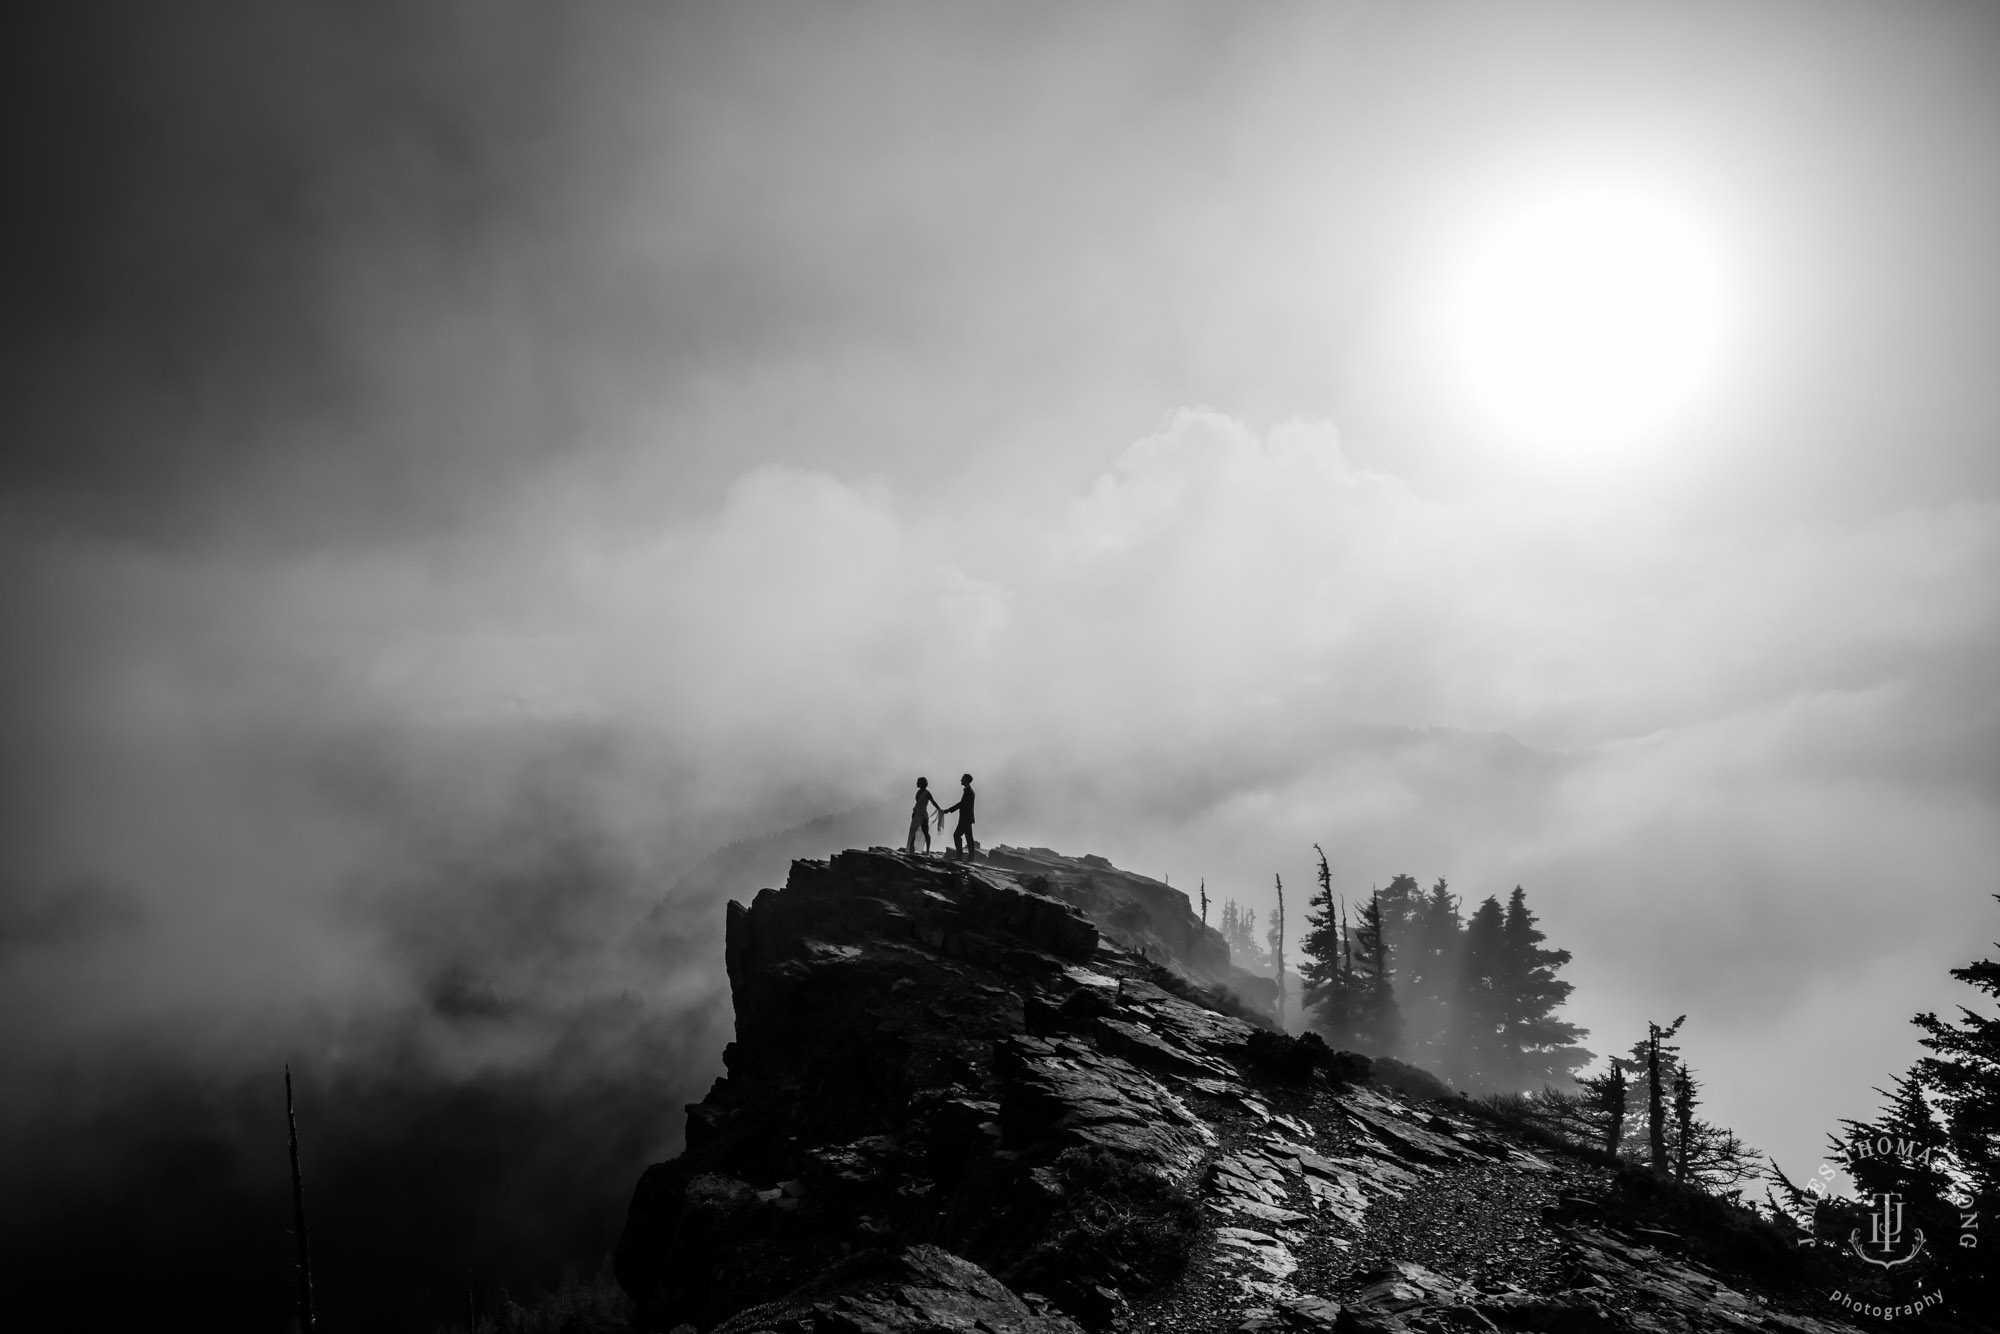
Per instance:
{"type": "Point", "coordinates": [1885, 1235]}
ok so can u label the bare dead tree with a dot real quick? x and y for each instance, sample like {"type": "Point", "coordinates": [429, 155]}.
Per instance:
{"type": "Point", "coordinates": [1346, 946]}
{"type": "Point", "coordinates": [306, 1323]}
{"type": "Point", "coordinates": [1656, 1104]}
{"type": "Point", "coordinates": [1611, 1100]}
{"type": "Point", "coordinates": [1278, 943]}
{"type": "Point", "coordinates": [1684, 1101]}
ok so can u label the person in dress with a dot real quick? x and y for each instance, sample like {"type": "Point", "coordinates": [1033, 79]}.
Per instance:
{"type": "Point", "coordinates": [920, 817]}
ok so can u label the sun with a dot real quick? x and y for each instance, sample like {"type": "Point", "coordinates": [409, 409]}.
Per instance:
{"type": "Point", "coordinates": [1590, 318]}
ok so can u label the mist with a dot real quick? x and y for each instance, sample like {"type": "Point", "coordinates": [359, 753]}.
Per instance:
{"type": "Point", "coordinates": [480, 476]}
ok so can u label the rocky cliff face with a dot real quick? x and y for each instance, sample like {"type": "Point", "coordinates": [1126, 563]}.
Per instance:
{"type": "Point", "coordinates": [1029, 1094]}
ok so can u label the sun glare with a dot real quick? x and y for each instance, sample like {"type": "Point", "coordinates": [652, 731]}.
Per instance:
{"type": "Point", "coordinates": [1589, 320]}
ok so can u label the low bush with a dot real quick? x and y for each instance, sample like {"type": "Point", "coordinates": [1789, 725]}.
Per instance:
{"type": "Point", "coordinates": [1523, 1117]}
{"type": "Point", "coordinates": [1718, 1229]}
{"type": "Point", "coordinates": [1409, 1080]}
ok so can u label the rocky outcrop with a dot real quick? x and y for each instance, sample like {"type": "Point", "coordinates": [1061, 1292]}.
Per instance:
{"type": "Point", "coordinates": [1010, 1096]}
{"type": "Point", "coordinates": [924, 1289]}
{"type": "Point", "coordinates": [1146, 916]}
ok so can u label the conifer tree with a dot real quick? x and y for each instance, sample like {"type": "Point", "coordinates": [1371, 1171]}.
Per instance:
{"type": "Point", "coordinates": [1593, 1112]}
{"type": "Point", "coordinates": [1426, 975]}
{"type": "Point", "coordinates": [1915, 1169]}
{"type": "Point", "coordinates": [1697, 1152]}
{"type": "Point", "coordinates": [1397, 902]}
{"type": "Point", "coordinates": [1239, 929]}
{"type": "Point", "coordinates": [1476, 1056]}
{"type": "Point", "coordinates": [1702, 1153]}
{"type": "Point", "coordinates": [1536, 1047]}
{"type": "Point", "coordinates": [1670, 1135]}
{"type": "Point", "coordinates": [1328, 967]}
{"type": "Point", "coordinates": [1964, 1076]}
{"type": "Point", "coordinates": [1608, 1093]}
{"type": "Point", "coordinates": [1378, 1020]}
{"type": "Point", "coordinates": [1655, 1059]}
{"type": "Point", "coordinates": [1204, 900]}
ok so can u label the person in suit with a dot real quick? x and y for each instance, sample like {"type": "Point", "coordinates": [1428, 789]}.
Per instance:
{"type": "Point", "coordinates": [961, 834]}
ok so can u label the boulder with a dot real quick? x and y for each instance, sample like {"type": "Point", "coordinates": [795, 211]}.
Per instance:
{"type": "Point", "coordinates": [935, 1291]}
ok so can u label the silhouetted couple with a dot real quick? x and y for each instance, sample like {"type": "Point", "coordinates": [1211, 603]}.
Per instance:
{"type": "Point", "coordinates": [961, 837]}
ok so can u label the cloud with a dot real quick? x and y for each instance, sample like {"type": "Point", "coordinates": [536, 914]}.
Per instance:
{"type": "Point", "coordinates": [375, 790]}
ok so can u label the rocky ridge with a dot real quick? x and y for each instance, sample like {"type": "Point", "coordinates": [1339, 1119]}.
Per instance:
{"type": "Point", "coordinates": [1027, 1094]}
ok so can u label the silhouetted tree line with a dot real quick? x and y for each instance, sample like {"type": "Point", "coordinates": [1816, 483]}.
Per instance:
{"type": "Point", "coordinates": [1239, 929]}
{"type": "Point", "coordinates": [1474, 1000]}
{"type": "Point", "coordinates": [1643, 1109]}
{"type": "Point", "coordinates": [1404, 974]}
{"type": "Point", "coordinates": [1934, 1147]}
{"type": "Point", "coordinates": [1941, 1121]}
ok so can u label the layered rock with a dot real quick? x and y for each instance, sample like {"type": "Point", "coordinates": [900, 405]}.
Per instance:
{"type": "Point", "coordinates": [961, 1098]}
{"type": "Point", "coordinates": [885, 1088]}
{"type": "Point", "coordinates": [1146, 916]}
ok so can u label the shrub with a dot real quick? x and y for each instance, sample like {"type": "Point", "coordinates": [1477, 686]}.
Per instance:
{"type": "Point", "coordinates": [1409, 1080]}
{"type": "Point", "coordinates": [1525, 1117]}
{"type": "Point", "coordinates": [1719, 1230]}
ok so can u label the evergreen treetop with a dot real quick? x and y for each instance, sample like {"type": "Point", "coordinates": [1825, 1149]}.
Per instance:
{"type": "Point", "coordinates": [1479, 1058]}
{"type": "Point", "coordinates": [1427, 975]}
{"type": "Point", "coordinates": [1963, 1076]}
{"type": "Point", "coordinates": [1378, 1021]}
{"type": "Point", "coordinates": [1320, 947]}
{"type": "Point", "coordinates": [1539, 1048]}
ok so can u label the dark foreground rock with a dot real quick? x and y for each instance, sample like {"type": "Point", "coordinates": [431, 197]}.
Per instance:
{"type": "Point", "coordinates": [922, 1290]}
{"type": "Point", "coordinates": [1021, 1095]}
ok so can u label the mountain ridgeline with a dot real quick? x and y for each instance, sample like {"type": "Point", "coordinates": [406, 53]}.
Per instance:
{"type": "Point", "coordinates": [1032, 1094]}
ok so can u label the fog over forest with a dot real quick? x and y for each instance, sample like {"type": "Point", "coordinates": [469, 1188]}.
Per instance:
{"type": "Point", "coordinates": [487, 483]}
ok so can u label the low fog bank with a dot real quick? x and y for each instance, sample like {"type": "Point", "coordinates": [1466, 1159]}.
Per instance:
{"type": "Point", "coordinates": [165, 1190]}
{"type": "Point", "coordinates": [489, 1029]}
{"type": "Point", "coordinates": [437, 826]}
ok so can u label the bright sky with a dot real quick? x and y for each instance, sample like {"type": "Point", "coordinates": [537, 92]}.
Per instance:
{"type": "Point", "coordinates": [1553, 444]}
